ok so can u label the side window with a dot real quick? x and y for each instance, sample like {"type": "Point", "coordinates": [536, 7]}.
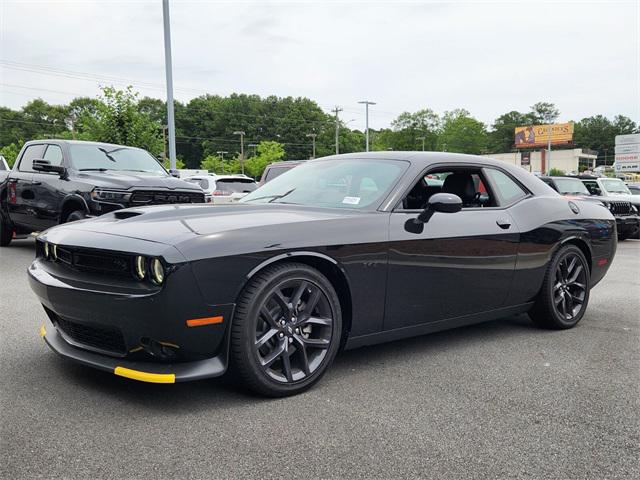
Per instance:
{"type": "Point", "coordinates": [31, 153]}
{"type": "Point", "coordinates": [53, 154]}
{"type": "Point", "coordinates": [465, 183]}
{"type": "Point", "coordinates": [508, 190]}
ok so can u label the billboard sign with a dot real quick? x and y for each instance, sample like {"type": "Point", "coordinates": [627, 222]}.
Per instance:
{"type": "Point", "coordinates": [533, 136]}
{"type": "Point", "coordinates": [628, 139]}
{"type": "Point", "coordinates": [628, 148]}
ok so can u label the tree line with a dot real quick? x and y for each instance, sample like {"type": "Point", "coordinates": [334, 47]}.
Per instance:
{"type": "Point", "coordinates": [275, 128]}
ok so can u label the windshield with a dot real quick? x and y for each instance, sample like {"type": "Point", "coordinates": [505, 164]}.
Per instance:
{"type": "Point", "coordinates": [111, 157]}
{"type": "Point", "coordinates": [614, 185]}
{"type": "Point", "coordinates": [332, 183]}
{"type": "Point", "coordinates": [237, 185]}
{"type": "Point", "coordinates": [570, 185]}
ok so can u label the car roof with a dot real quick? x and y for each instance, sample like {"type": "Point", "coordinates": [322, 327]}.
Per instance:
{"type": "Point", "coordinates": [286, 163]}
{"type": "Point", "coordinates": [78, 142]}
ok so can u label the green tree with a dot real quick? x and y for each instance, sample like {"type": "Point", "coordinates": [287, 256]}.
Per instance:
{"type": "Point", "coordinates": [268, 152]}
{"type": "Point", "coordinates": [167, 164]}
{"type": "Point", "coordinates": [117, 120]}
{"type": "Point", "coordinates": [462, 133]}
{"type": "Point", "coordinates": [545, 112]}
{"type": "Point", "coordinates": [501, 136]}
{"type": "Point", "coordinates": [10, 152]}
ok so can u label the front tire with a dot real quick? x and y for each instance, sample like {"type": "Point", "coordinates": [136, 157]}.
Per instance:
{"type": "Point", "coordinates": [75, 215]}
{"type": "Point", "coordinates": [286, 330]}
{"type": "Point", "coordinates": [564, 295]}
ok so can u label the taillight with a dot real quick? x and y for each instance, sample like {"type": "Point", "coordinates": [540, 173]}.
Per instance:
{"type": "Point", "coordinates": [219, 193]}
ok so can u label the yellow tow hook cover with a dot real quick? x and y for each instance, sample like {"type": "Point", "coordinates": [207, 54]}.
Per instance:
{"type": "Point", "coordinates": [43, 331]}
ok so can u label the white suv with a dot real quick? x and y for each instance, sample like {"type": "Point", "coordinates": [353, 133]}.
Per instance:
{"type": "Point", "coordinates": [224, 188]}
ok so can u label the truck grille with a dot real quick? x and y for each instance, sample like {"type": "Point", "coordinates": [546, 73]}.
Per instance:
{"type": "Point", "coordinates": [101, 337]}
{"type": "Point", "coordinates": [140, 198]}
{"type": "Point", "coordinates": [620, 208]}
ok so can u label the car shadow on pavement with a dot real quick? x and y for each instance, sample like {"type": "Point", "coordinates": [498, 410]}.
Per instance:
{"type": "Point", "coordinates": [224, 393]}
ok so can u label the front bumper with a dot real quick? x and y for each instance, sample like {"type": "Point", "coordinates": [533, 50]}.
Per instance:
{"type": "Point", "coordinates": [83, 312]}
{"type": "Point", "coordinates": [628, 226]}
{"type": "Point", "coordinates": [142, 371]}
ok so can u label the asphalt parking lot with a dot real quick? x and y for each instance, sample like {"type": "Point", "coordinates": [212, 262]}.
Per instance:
{"type": "Point", "coordinates": [496, 400]}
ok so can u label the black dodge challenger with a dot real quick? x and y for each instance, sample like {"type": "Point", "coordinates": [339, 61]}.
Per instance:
{"type": "Point", "coordinates": [339, 252]}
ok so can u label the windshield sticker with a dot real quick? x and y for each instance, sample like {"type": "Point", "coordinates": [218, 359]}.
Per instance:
{"type": "Point", "coordinates": [351, 200]}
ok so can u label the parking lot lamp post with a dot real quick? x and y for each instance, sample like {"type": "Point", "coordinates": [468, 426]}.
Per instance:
{"type": "Point", "coordinates": [255, 148]}
{"type": "Point", "coordinates": [242, 134]}
{"type": "Point", "coordinates": [367, 103]}
{"type": "Point", "coordinates": [221, 155]}
{"type": "Point", "coordinates": [169, 74]}
{"type": "Point", "coordinates": [313, 138]}
{"type": "Point", "coordinates": [423, 139]}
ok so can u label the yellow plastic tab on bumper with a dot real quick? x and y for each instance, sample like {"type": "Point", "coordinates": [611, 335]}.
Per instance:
{"type": "Point", "coordinates": [145, 376]}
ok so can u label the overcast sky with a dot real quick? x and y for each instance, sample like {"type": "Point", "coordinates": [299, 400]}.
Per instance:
{"type": "Point", "coordinates": [487, 57]}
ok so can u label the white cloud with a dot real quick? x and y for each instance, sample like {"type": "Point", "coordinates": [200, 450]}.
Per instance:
{"type": "Point", "coordinates": [488, 57]}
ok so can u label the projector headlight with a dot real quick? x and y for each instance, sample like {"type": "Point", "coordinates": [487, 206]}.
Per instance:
{"type": "Point", "coordinates": [54, 252]}
{"type": "Point", "coordinates": [46, 250]}
{"type": "Point", "coordinates": [157, 271]}
{"type": "Point", "coordinates": [101, 194]}
{"type": "Point", "coordinates": [140, 268]}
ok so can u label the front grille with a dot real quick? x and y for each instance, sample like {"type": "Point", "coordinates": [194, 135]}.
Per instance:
{"type": "Point", "coordinates": [140, 198]}
{"type": "Point", "coordinates": [96, 261]}
{"type": "Point", "coordinates": [620, 208]}
{"type": "Point", "coordinates": [102, 337]}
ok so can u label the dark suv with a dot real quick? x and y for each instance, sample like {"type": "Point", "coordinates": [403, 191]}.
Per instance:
{"type": "Point", "coordinates": [627, 220]}
{"type": "Point", "coordinates": [57, 181]}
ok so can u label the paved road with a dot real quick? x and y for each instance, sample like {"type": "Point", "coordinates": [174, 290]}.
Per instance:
{"type": "Point", "coordinates": [490, 401]}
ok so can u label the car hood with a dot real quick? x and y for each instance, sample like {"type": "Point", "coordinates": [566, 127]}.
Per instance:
{"type": "Point", "coordinates": [232, 228]}
{"type": "Point", "coordinates": [134, 180]}
{"type": "Point", "coordinates": [624, 197]}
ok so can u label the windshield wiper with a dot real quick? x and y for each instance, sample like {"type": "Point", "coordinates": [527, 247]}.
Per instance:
{"type": "Point", "coordinates": [272, 197]}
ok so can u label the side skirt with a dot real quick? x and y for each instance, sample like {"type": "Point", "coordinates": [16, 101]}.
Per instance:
{"type": "Point", "coordinates": [425, 328]}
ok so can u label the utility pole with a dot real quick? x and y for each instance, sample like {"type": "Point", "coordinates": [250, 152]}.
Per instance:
{"type": "Point", "coordinates": [336, 111]}
{"type": "Point", "coordinates": [313, 138]}
{"type": "Point", "coordinates": [549, 148]}
{"type": "Point", "coordinates": [169, 72]}
{"type": "Point", "coordinates": [423, 139]}
{"type": "Point", "coordinates": [242, 134]}
{"type": "Point", "coordinates": [255, 148]}
{"type": "Point", "coordinates": [164, 143]}
{"type": "Point", "coordinates": [367, 103]}
{"type": "Point", "coordinates": [221, 154]}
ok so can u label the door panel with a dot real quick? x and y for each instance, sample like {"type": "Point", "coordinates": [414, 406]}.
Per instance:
{"type": "Point", "coordinates": [47, 187]}
{"type": "Point", "coordinates": [462, 263]}
{"type": "Point", "coordinates": [21, 194]}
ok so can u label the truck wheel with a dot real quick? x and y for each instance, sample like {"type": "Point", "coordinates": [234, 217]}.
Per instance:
{"type": "Point", "coordinates": [76, 215]}
{"type": "Point", "coordinates": [6, 234]}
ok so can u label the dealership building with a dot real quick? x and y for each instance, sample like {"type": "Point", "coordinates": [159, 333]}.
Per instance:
{"type": "Point", "coordinates": [568, 160]}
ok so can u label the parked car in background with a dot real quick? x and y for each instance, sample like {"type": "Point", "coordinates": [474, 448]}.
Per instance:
{"type": "Point", "coordinates": [59, 181]}
{"type": "Point", "coordinates": [626, 215]}
{"type": "Point", "coordinates": [634, 188]}
{"type": "Point", "coordinates": [276, 169]}
{"type": "Point", "coordinates": [343, 251]}
{"type": "Point", "coordinates": [223, 188]}
{"type": "Point", "coordinates": [613, 188]}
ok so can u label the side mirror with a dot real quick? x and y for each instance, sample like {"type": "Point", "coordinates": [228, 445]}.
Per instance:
{"type": "Point", "coordinates": [438, 202]}
{"type": "Point", "coordinates": [41, 165]}
{"type": "Point", "coordinates": [174, 173]}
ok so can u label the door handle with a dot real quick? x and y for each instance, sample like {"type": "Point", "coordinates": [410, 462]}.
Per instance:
{"type": "Point", "coordinates": [504, 223]}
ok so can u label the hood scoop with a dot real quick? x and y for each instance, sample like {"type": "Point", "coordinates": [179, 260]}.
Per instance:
{"type": "Point", "coordinates": [124, 214]}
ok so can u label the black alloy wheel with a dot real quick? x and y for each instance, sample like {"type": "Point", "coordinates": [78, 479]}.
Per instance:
{"type": "Point", "coordinates": [286, 330]}
{"type": "Point", "coordinates": [564, 296]}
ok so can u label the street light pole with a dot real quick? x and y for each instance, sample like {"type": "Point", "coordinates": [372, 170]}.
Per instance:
{"type": "Point", "coordinates": [313, 138]}
{"type": "Point", "coordinates": [549, 147]}
{"type": "Point", "coordinates": [367, 103]}
{"type": "Point", "coordinates": [423, 139]}
{"type": "Point", "coordinates": [336, 111]}
{"type": "Point", "coordinates": [242, 134]}
{"type": "Point", "coordinates": [221, 154]}
{"type": "Point", "coordinates": [169, 73]}
{"type": "Point", "coordinates": [255, 147]}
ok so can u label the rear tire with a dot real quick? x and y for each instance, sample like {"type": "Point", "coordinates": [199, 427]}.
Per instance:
{"type": "Point", "coordinates": [75, 215]}
{"type": "Point", "coordinates": [286, 330]}
{"type": "Point", "coordinates": [564, 295]}
{"type": "Point", "coordinates": [6, 233]}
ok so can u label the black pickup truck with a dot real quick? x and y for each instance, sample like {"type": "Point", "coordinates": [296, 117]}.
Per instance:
{"type": "Point", "coordinates": [58, 181]}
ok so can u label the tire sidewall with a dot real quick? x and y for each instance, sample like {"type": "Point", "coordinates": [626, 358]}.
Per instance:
{"type": "Point", "coordinates": [296, 272]}
{"type": "Point", "coordinates": [562, 253]}
{"type": "Point", "coordinates": [75, 216]}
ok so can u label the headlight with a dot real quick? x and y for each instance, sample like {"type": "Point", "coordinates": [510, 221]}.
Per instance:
{"type": "Point", "coordinates": [46, 250]}
{"type": "Point", "coordinates": [157, 271]}
{"type": "Point", "coordinates": [110, 195]}
{"type": "Point", "coordinates": [54, 252]}
{"type": "Point", "coordinates": [140, 267]}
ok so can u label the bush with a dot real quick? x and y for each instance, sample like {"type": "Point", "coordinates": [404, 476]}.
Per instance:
{"type": "Point", "coordinates": [556, 172]}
